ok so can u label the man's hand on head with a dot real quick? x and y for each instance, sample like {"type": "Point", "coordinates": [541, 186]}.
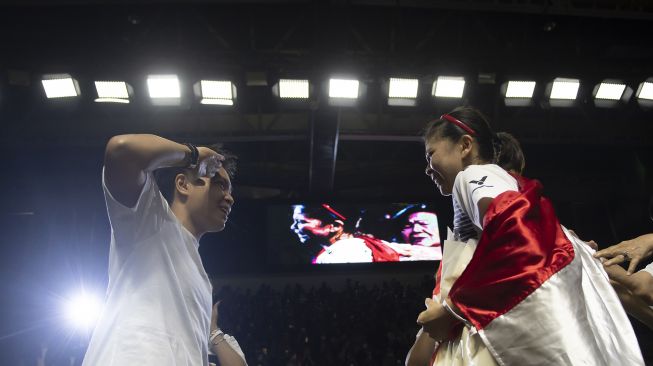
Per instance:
{"type": "Point", "coordinates": [209, 162]}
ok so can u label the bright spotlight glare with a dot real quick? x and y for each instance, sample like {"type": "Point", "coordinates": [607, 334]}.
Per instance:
{"type": "Point", "coordinates": [341, 88]}
{"type": "Point", "coordinates": [520, 89]}
{"type": "Point", "coordinates": [83, 310]}
{"type": "Point", "coordinates": [449, 87]}
{"type": "Point", "coordinates": [60, 87]}
{"type": "Point", "coordinates": [403, 88]}
{"type": "Point", "coordinates": [163, 86]}
{"type": "Point", "coordinates": [293, 89]}
{"type": "Point", "coordinates": [564, 89]}
{"type": "Point", "coordinates": [646, 91]}
{"type": "Point", "coordinates": [610, 91]}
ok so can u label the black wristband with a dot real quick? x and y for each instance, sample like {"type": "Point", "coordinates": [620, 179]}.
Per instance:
{"type": "Point", "coordinates": [194, 157]}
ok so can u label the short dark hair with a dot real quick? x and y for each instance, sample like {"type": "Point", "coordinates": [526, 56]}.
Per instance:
{"type": "Point", "coordinates": [320, 212]}
{"type": "Point", "coordinates": [499, 148]}
{"type": "Point", "coordinates": [317, 211]}
{"type": "Point", "coordinates": [165, 177]}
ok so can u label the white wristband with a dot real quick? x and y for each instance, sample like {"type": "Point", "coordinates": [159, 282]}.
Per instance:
{"type": "Point", "coordinates": [215, 334]}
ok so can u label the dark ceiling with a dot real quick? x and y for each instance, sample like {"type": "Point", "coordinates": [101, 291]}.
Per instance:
{"type": "Point", "coordinates": [596, 163]}
{"type": "Point", "coordinates": [370, 151]}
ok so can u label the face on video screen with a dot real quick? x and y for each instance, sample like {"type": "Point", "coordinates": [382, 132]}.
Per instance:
{"type": "Point", "coordinates": [307, 228]}
{"type": "Point", "coordinates": [321, 233]}
{"type": "Point", "coordinates": [421, 228]}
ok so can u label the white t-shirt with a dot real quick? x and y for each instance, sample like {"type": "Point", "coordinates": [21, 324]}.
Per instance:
{"type": "Point", "coordinates": [158, 306]}
{"type": "Point", "coordinates": [471, 185]}
{"type": "Point", "coordinates": [349, 250]}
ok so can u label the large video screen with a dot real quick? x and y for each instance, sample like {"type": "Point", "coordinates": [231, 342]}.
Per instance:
{"type": "Point", "coordinates": [325, 233]}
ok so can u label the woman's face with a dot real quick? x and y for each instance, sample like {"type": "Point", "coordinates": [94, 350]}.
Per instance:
{"type": "Point", "coordinates": [308, 228]}
{"type": "Point", "coordinates": [444, 160]}
{"type": "Point", "coordinates": [421, 228]}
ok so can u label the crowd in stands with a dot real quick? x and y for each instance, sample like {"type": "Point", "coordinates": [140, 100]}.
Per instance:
{"type": "Point", "coordinates": [354, 325]}
{"type": "Point", "coordinates": [350, 324]}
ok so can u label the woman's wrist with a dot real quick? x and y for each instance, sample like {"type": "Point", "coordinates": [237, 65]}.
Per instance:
{"type": "Point", "coordinates": [453, 308]}
{"type": "Point", "coordinates": [217, 336]}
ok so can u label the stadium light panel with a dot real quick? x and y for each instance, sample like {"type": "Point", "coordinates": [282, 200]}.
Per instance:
{"type": "Point", "coordinates": [645, 91]}
{"type": "Point", "coordinates": [163, 86]}
{"type": "Point", "coordinates": [610, 91]}
{"type": "Point", "coordinates": [403, 88]}
{"type": "Point", "coordinates": [294, 89]}
{"type": "Point", "coordinates": [217, 92]}
{"type": "Point", "coordinates": [448, 87]}
{"type": "Point", "coordinates": [564, 89]}
{"type": "Point", "coordinates": [112, 92]}
{"type": "Point", "coordinates": [343, 88]}
{"type": "Point", "coordinates": [520, 89]}
{"type": "Point", "coordinates": [60, 86]}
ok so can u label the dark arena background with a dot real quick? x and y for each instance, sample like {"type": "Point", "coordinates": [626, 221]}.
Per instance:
{"type": "Point", "coordinates": [593, 155]}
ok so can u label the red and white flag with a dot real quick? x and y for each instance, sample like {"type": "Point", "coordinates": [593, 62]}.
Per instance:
{"type": "Point", "coordinates": [534, 293]}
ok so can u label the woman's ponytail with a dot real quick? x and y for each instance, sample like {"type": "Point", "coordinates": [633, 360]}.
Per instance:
{"type": "Point", "coordinates": [508, 153]}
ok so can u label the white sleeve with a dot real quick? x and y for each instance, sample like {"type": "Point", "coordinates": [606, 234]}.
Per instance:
{"type": "Point", "coordinates": [132, 224]}
{"type": "Point", "coordinates": [477, 182]}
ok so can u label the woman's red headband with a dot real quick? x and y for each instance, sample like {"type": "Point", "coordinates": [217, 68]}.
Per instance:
{"type": "Point", "coordinates": [458, 123]}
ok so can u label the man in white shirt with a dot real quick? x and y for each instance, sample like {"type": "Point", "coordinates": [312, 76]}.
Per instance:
{"type": "Point", "coordinates": [158, 306]}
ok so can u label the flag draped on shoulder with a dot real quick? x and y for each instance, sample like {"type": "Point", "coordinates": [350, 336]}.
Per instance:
{"type": "Point", "coordinates": [535, 294]}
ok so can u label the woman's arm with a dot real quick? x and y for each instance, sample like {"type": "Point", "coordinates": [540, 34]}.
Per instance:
{"type": "Point", "coordinates": [436, 320]}
{"type": "Point", "coordinates": [422, 350]}
{"type": "Point", "coordinates": [224, 346]}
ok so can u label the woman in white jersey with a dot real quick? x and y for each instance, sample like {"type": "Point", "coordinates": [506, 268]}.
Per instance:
{"type": "Point", "coordinates": [513, 287]}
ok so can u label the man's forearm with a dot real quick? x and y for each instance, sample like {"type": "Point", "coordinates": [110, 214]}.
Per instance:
{"type": "Point", "coordinates": [145, 152]}
{"type": "Point", "coordinates": [640, 284]}
{"type": "Point", "coordinates": [634, 305]}
{"type": "Point", "coordinates": [128, 159]}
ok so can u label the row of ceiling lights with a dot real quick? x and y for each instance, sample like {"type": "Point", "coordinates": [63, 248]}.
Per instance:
{"type": "Point", "coordinates": [166, 90]}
